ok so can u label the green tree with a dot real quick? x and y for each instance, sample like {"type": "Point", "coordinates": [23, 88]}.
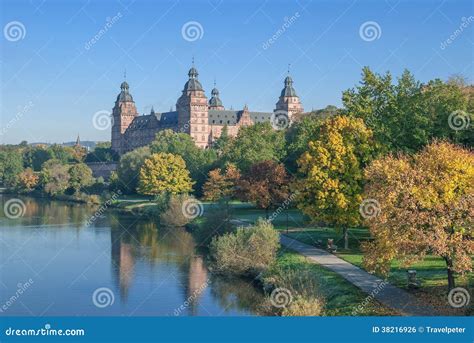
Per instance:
{"type": "Point", "coordinates": [198, 161]}
{"type": "Point", "coordinates": [80, 175]}
{"type": "Point", "coordinates": [102, 153]}
{"type": "Point", "coordinates": [35, 157]}
{"type": "Point", "coordinates": [255, 143]}
{"type": "Point", "coordinates": [128, 170]}
{"type": "Point", "coordinates": [164, 173]}
{"type": "Point", "coordinates": [222, 144]}
{"type": "Point", "coordinates": [11, 165]}
{"type": "Point", "coordinates": [440, 101]}
{"type": "Point", "coordinates": [65, 154]}
{"type": "Point", "coordinates": [407, 115]}
{"type": "Point", "coordinates": [331, 173]}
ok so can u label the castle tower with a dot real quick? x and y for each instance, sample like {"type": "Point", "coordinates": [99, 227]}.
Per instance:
{"type": "Point", "coordinates": [193, 110]}
{"type": "Point", "coordinates": [123, 114]}
{"type": "Point", "coordinates": [215, 102]}
{"type": "Point", "coordinates": [288, 100]}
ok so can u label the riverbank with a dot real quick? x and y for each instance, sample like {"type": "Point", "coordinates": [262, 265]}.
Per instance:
{"type": "Point", "coordinates": [148, 269]}
{"type": "Point", "coordinates": [294, 278]}
{"type": "Point", "coordinates": [83, 198]}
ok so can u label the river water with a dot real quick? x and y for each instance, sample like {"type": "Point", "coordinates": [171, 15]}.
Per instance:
{"type": "Point", "coordinates": [52, 263]}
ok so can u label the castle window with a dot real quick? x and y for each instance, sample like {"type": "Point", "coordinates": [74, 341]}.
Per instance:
{"type": "Point", "coordinates": [213, 121]}
{"type": "Point", "coordinates": [220, 121]}
{"type": "Point", "coordinates": [227, 122]}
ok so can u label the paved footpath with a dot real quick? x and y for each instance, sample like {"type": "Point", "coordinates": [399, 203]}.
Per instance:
{"type": "Point", "coordinates": [389, 295]}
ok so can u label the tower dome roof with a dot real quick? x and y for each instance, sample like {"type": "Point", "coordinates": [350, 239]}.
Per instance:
{"type": "Point", "coordinates": [193, 73]}
{"type": "Point", "coordinates": [124, 85]}
{"type": "Point", "coordinates": [193, 83]}
{"type": "Point", "coordinates": [215, 101]}
{"type": "Point", "coordinates": [124, 95]}
{"type": "Point", "coordinates": [288, 90]}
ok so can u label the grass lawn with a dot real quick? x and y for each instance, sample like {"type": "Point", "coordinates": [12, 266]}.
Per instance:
{"type": "Point", "coordinates": [431, 272]}
{"type": "Point", "coordinates": [340, 296]}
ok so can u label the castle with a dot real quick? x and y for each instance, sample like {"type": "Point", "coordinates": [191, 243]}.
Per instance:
{"type": "Point", "coordinates": [202, 119]}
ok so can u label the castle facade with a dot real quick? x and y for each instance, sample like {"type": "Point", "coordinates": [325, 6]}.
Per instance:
{"type": "Point", "coordinates": [195, 115]}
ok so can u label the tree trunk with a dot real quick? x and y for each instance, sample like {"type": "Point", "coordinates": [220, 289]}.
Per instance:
{"type": "Point", "coordinates": [346, 238]}
{"type": "Point", "coordinates": [451, 282]}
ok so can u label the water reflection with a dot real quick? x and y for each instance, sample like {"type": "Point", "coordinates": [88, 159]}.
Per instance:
{"type": "Point", "coordinates": [151, 270]}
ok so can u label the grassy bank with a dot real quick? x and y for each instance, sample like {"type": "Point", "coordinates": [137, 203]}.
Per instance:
{"type": "Point", "coordinates": [341, 298]}
{"type": "Point", "coordinates": [431, 272]}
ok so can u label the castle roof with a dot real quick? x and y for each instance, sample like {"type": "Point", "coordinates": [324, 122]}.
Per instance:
{"type": "Point", "coordinates": [154, 121]}
{"type": "Point", "coordinates": [215, 101]}
{"type": "Point", "coordinates": [288, 90]}
{"type": "Point", "coordinates": [216, 117]}
{"type": "Point", "coordinates": [231, 117]}
{"type": "Point", "coordinates": [193, 83]}
{"type": "Point", "coordinates": [124, 95]}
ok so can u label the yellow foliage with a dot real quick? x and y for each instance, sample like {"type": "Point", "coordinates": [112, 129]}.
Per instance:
{"type": "Point", "coordinates": [332, 171]}
{"type": "Point", "coordinates": [164, 173]}
{"type": "Point", "coordinates": [427, 206]}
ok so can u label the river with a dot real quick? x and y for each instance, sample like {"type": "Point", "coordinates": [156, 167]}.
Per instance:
{"type": "Point", "coordinates": [54, 263]}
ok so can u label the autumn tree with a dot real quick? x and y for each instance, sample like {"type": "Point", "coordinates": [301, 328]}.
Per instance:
{"type": "Point", "coordinates": [330, 183]}
{"type": "Point", "coordinates": [54, 177]}
{"type": "Point", "coordinates": [80, 175]}
{"type": "Point", "coordinates": [426, 207]}
{"type": "Point", "coordinates": [79, 153]}
{"type": "Point", "coordinates": [221, 185]}
{"type": "Point", "coordinates": [198, 161]}
{"type": "Point", "coordinates": [27, 180]}
{"type": "Point", "coordinates": [164, 173]}
{"type": "Point", "coordinates": [298, 135]}
{"type": "Point", "coordinates": [266, 184]}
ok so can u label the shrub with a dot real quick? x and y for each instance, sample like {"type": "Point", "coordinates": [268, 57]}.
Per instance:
{"type": "Point", "coordinates": [173, 215]}
{"type": "Point", "coordinates": [303, 290]}
{"type": "Point", "coordinates": [298, 282]}
{"type": "Point", "coordinates": [248, 251]}
{"type": "Point", "coordinates": [302, 306]}
{"type": "Point", "coordinates": [216, 223]}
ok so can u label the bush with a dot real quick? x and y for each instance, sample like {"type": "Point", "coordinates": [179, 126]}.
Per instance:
{"type": "Point", "coordinates": [248, 251]}
{"type": "Point", "coordinates": [302, 287]}
{"type": "Point", "coordinates": [301, 306]}
{"type": "Point", "coordinates": [216, 223]}
{"type": "Point", "coordinates": [173, 215]}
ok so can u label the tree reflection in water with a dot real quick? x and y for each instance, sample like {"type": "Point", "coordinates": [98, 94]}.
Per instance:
{"type": "Point", "coordinates": [153, 270]}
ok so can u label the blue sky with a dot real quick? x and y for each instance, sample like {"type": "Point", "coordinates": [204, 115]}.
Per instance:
{"type": "Point", "coordinates": [54, 79]}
